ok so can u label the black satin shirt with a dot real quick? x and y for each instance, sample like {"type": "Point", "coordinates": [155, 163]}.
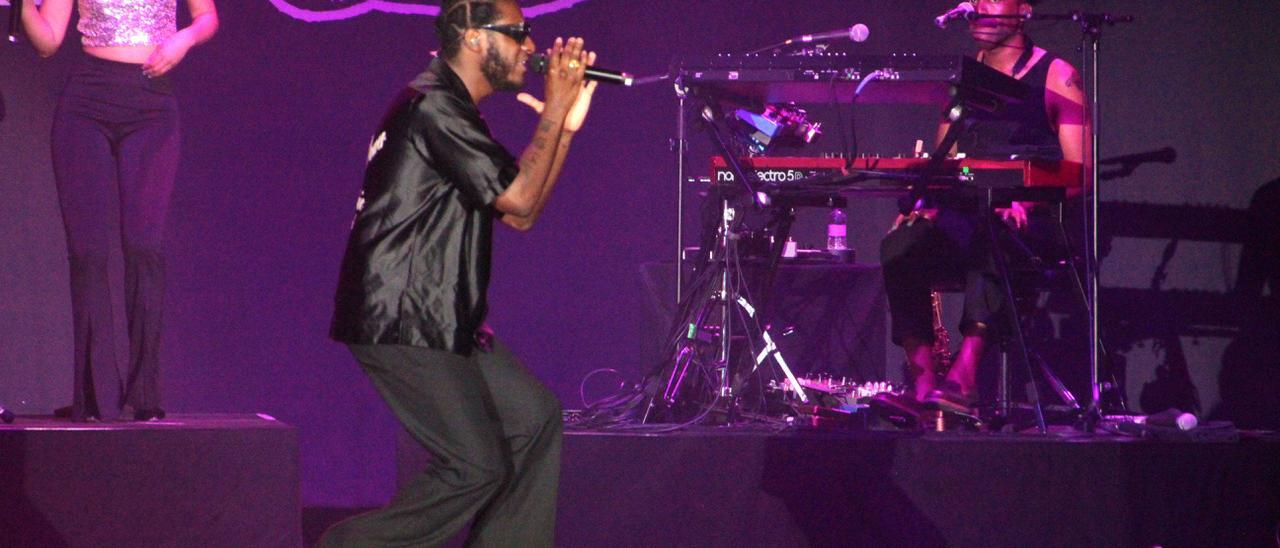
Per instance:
{"type": "Point", "coordinates": [416, 267]}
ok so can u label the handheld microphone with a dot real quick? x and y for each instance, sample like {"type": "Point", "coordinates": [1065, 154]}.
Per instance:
{"type": "Point", "coordinates": [964, 10]}
{"type": "Point", "coordinates": [857, 33]}
{"type": "Point", "coordinates": [538, 63]}
{"type": "Point", "coordinates": [15, 19]}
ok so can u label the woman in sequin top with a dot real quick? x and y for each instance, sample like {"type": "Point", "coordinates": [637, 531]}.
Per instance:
{"type": "Point", "coordinates": [115, 144]}
{"type": "Point", "coordinates": [141, 32]}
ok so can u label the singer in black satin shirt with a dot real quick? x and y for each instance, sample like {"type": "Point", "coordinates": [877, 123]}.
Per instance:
{"type": "Point", "coordinates": [411, 302]}
{"type": "Point", "coordinates": [416, 267]}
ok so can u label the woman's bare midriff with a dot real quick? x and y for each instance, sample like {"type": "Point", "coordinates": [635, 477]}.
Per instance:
{"type": "Point", "coordinates": [121, 54]}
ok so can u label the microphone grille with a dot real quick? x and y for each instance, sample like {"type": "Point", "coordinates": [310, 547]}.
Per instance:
{"type": "Point", "coordinates": [538, 63]}
{"type": "Point", "coordinates": [859, 33]}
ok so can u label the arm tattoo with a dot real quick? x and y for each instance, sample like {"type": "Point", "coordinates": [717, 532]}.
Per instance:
{"type": "Point", "coordinates": [1073, 81]}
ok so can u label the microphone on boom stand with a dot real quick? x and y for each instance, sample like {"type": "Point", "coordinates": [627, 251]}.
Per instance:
{"type": "Point", "coordinates": [857, 33]}
{"type": "Point", "coordinates": [966, 11]}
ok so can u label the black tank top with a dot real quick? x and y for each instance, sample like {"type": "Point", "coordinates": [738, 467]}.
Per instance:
{"type": "Point", "coordinates": [1020, 130]}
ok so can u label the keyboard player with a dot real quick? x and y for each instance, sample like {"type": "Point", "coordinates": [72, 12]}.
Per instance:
{"type": "Point", "coordinates": [934, 245]}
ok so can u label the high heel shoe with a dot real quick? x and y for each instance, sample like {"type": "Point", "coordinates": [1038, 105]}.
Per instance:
{"type": "Point", "coordinates": [147, 415]}
{"type": "Point", "coordinates": [67, 412]}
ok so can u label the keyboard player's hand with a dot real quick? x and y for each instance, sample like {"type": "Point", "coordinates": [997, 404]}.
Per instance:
{"type": "Point", "coordinates": [912, 218]}
{"type": "Point", "coordinates": [1015, 215]}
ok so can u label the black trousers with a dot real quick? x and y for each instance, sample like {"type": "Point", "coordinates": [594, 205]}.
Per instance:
{"type": "Point", "coordinates": [494, 433]}
{"type": "Point", "coordinates": [955, 250]}
{"type": "Point", "coordinates": [115, 138]}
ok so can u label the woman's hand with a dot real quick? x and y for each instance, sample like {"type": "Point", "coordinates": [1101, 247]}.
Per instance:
{"type": "Point", "coordinates": [204, 24]}
{"type": "Point", "coordinates": [167, 55]}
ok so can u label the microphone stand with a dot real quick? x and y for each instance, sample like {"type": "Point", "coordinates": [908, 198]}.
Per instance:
{"type": "Point", "coordinates": [1090, 47]}
{"type": "Point", "coordinates": [975, 16]}
{"type": "Point", "coordinates": [5, 414]}
{"type": "Point", "coordinates": [777, 46]}
{"type": "Point", "coordinates": [15, 20]}
{"type": "Point", "coordinates": [717, 294]}
{"type": "Point", "coordinates": [810, 39]}
{"type": "Point", "coordinates": [785, 43]}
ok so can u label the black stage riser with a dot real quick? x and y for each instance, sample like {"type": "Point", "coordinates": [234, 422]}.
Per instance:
{"type": "Point", "coordinates": [722, 489]}
{"type": "Point", "coordinates": [188, 481]}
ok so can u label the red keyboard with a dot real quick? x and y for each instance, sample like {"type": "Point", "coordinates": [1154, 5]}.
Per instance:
{"type": "Point", "coordinates": [985, 173]}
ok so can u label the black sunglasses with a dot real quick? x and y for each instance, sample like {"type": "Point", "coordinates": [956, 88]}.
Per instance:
{"type": "Point", "coordinates": [517, 31]}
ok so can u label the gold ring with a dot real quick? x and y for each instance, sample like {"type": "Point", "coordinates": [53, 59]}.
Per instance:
{"type": "Point", "coordinates": [573, 64]}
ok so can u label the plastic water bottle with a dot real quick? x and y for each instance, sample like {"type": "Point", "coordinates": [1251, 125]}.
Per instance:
{"type": "Point", "coordinates": [836, 231]}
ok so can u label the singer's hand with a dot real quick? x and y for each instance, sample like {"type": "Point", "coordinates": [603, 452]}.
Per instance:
{"type": "Point", "coordinates": [566, 68]}
{"type": "Point", "coordinates": [578, 113]}
{"type": "Point", "coordinates": [167, 55]}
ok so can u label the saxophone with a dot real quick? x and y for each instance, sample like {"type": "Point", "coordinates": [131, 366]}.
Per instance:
{"type": "Point", "coordinates": [941, 338]}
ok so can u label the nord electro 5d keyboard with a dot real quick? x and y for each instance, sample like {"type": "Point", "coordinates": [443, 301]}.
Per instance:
{"type": "Point", "coordinates": [978, 173]}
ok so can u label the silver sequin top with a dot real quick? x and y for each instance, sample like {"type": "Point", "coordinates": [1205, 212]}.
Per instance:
{"type": "Point", "coordinates": [106, 23]}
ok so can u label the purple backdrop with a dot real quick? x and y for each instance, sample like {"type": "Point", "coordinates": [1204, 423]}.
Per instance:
{"type": "Point", "coordinates": [276, 118]}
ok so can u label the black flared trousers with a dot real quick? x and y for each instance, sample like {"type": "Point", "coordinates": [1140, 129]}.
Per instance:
{"type": "Point", "coordinates": [115, 141]}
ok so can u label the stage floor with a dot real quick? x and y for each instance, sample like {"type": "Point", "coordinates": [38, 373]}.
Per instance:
{"type": "Point", "coordinates": [189, 480]}
{"type": "Point", "coordinates": [712, 486]}
{"type": "Point", "coordinates": [231, 480]}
